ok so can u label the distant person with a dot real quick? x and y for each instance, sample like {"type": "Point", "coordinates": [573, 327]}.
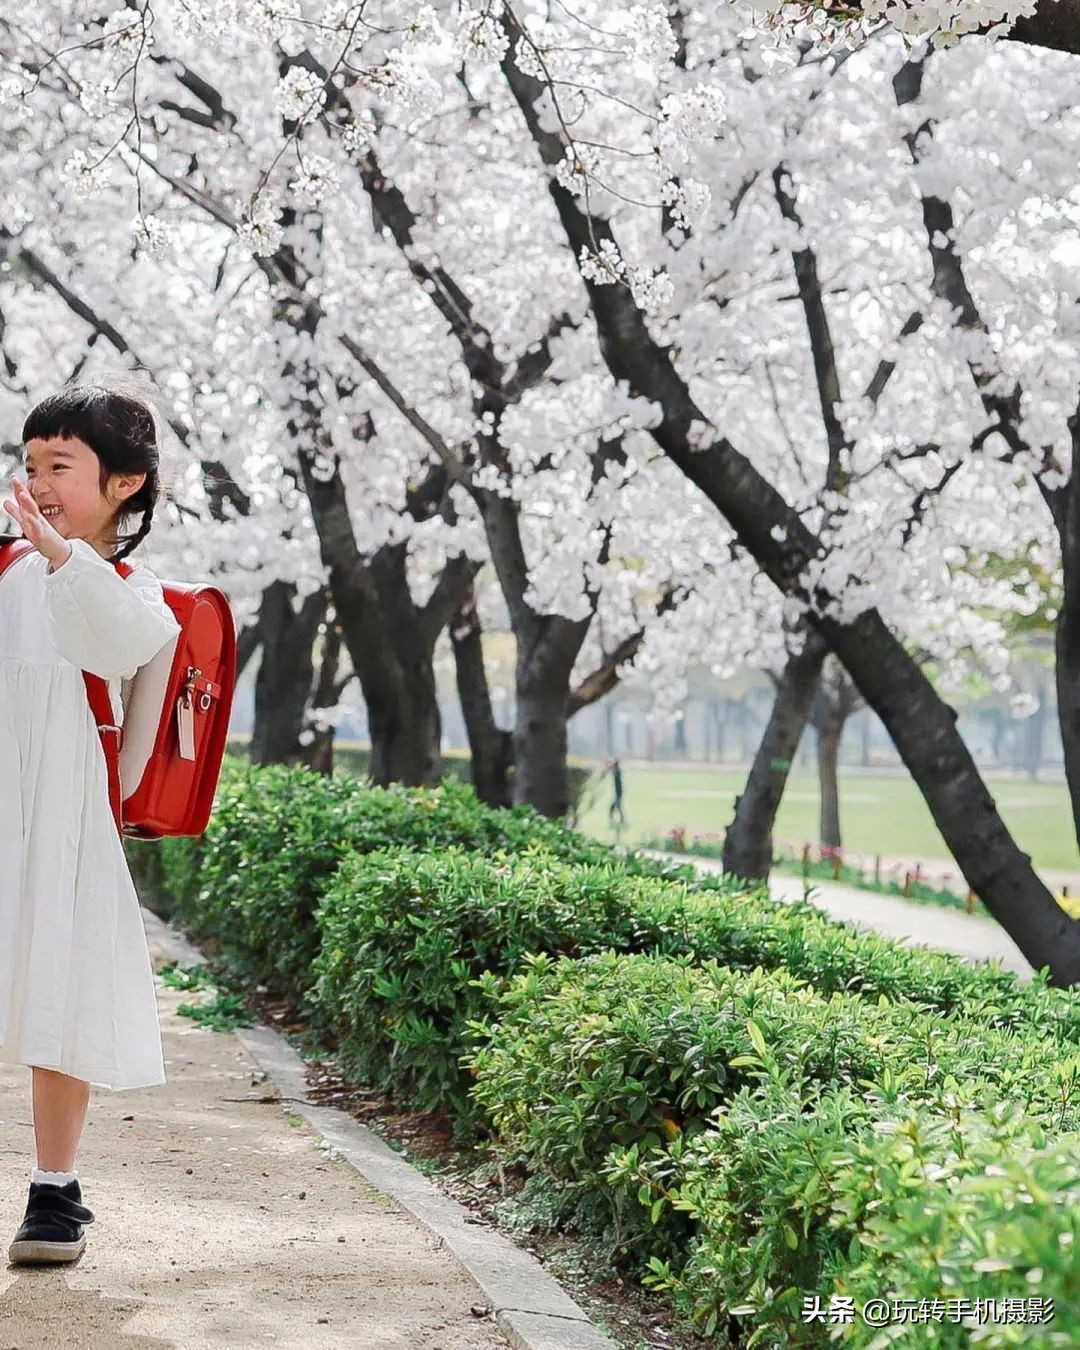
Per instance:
{"type": "Point", "coordinates": [616, 807]}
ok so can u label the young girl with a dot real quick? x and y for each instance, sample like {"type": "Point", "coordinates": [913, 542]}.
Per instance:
{"type": "Point", "coordinates": [77, 1001]}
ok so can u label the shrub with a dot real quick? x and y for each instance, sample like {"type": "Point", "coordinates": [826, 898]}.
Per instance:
{"type": "Point", "coordinates": [747, 930]}
{"type": "Point", "coordinates": [278, 833]}
{"type": "Point", "coordinates": [577, 1057]}
{"type": "Point", "coordinates": [794, 1195]}
{"type": "Point", "coordinates": [354, 760]}
{"type": "Point", "coordinates": [404, 938]}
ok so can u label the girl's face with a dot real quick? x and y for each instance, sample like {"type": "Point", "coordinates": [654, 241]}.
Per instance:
{"type": "Point", "coordinates": [64, 478]}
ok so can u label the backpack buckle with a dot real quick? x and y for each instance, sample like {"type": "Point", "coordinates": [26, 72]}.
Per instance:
{"type": "Point", "coordinates": [119, 735]}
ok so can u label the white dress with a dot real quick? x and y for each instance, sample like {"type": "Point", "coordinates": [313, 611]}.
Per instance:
{"type": "Point", "coordinates": [76, 981]}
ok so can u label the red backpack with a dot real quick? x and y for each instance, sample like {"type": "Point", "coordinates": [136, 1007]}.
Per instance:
{"type": "Point", "coordinates": [164, 762]}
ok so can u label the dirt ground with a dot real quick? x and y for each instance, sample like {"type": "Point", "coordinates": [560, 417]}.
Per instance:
{"type": "Point", "coordinates": [221, 1221]}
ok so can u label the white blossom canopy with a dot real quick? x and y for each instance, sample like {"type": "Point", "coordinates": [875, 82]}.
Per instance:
{"type": "Point", "coordinates": [165, 157]}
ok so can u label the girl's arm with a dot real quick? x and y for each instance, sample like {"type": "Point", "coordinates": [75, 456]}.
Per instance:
{"type": "Point", "coordinates": [100, 621]}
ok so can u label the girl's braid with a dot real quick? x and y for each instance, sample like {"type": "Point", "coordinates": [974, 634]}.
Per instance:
{"type": "Point", "coordinates": [138, 536]}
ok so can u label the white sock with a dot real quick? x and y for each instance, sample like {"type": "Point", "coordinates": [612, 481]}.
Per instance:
{"type": "Point", "coordinates": [53, 1178]}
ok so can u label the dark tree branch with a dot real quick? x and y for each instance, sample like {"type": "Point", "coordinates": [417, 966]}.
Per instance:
{"type": "Point", "coordinates": [950, 284]}
{"type": "Point", "coordinates": [606, 675]}
{"type": "Point", "coordinates": [455, 580]}
{"type": "Point", "coordinates": [887, 368]}
{"type": "Point", "coordinates": [822, 347]}
{"type": "Point", "coordinates": [1055, 25]}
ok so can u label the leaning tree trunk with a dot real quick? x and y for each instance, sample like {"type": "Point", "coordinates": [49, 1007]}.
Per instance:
{"type": "Point", "coordinates": [286, 673]}
{"type": "Point", "coordinates": [748, 843]}
{"type": "Point", "coordinates": [1067, 633]}
{"type": "Point", "coordinates": [491, 749]}
{"type": "Point", "coordinates": [1067, 681]}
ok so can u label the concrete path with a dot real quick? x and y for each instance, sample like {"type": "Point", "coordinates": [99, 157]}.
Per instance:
{"type": "Point", "coordinates": [967, 935]}
{"type": "Point", "coordinates": [222, 1220]}
{"type": "Point", "coordinates": [945, 873]}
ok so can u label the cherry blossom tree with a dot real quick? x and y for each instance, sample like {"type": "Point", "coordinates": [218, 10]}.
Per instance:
{"type": "Point", "coordinates": [537, 150]}
{"type": "Point", "coordinates": [792, 553]}
{"type": "Point", "coordinates": [538, 535]}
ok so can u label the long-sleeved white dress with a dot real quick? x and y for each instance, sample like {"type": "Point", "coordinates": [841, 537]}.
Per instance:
{"type": "Point", "coordinates": [76, 981]}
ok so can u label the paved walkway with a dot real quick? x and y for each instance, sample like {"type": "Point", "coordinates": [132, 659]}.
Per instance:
{"type": "Point", "coordinates": [945, 873]}
{"type": "Point", "coordinates": [221, 1221]}
{"type": "Point", "coordinates": [949, 930]}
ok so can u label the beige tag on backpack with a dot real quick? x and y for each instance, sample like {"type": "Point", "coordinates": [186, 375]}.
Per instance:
{"type": "Point", "coordinates": [185, 726]}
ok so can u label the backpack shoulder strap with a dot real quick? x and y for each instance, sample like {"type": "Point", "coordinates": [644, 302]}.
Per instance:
{"type": "Point", "coordinates": [11, 550]}
{"type": "Point", "coordinates": [97, 694]}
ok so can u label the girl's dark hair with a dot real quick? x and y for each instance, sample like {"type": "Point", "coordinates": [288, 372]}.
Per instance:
{"type": "Point", "coordinates": [117, 422]}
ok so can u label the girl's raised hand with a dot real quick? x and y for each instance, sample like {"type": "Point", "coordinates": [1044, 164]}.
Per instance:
{"type": "Point", "coordinates": [25, 511]}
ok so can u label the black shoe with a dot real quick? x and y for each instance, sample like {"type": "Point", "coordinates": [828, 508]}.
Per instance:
{"type": "Point", "coordinates": [52, 1229]}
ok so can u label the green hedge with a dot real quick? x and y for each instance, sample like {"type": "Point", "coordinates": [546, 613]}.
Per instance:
{"type": "Point", "coordinates": [745, 929]}
{"type": "Point", "coordinates": [615, 1049]}
{"type": "Point", "coordinates": [793, 1195]}
{"type": "Point", "coordinates": [405, 939]}
{"type": "Point", "coordinates": [674, 1058]}
{"type": "Point", "coordinates": [730, 1122]}
{"type": "Point", "coordinates": [355, 760]}
{"type": "Point", "coordinates": [254, 879]}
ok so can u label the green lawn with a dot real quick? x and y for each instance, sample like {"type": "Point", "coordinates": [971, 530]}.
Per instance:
{"type": "Point", "coordinates": [879, 814]}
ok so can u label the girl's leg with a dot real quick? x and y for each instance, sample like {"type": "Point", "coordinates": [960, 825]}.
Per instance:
{"type": "Point", "coordinates": [60, 1103]}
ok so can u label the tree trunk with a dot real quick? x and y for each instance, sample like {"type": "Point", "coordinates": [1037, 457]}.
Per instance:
{"type": "Point", "coordinates": [247, 644]}
{"type": "Point", "coordinates": [491, 749]}
{"type": "Point", "coordinates": [748, 843]}
{"type": "Point", "coordinates": [406, 728]}
{"type": "Point", "coordinates": [1034, 728]}
{"type": "Point", "coordinates": [286, 673]}
{"type": "Point", "coordinates": [390, 640]}
{"type": "Point", "coordinates": [405, 733]}
{"type": "Point", "coordinates": [680, 733]}
{"type": "Point", "coordinates": [719, 721]}
{"type": "Point", "coordinates": [828, 758]}
{"type": "Point", "coordinates": [319, 755]}
{"type": "Point", "coordinates": [923, 727]}
{"type": "Point", "coordinates": [835, 702]}
{"type": "Point", "coordinates": [1067, 633]}
{"type": "Point", "coordinates": [547, 649]}
{"type": "Point", "coordinates": [999, 733]}
{"type": "Point", "coordinates": [540, 778]}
